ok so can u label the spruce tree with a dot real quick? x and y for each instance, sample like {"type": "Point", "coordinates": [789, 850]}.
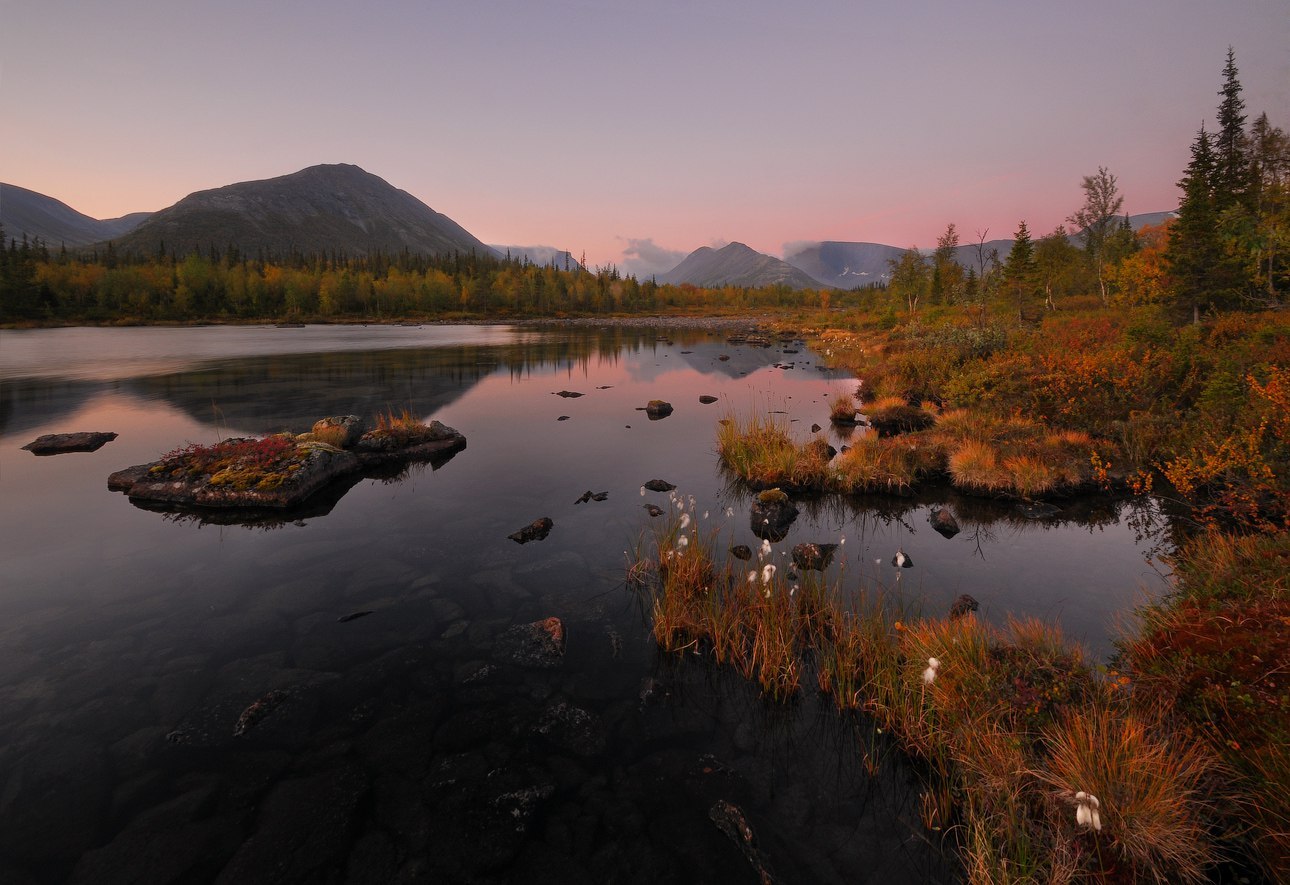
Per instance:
{"type": "Point", "coordinates": [1194, 252]}
{"type": "Point", "coordinates": [1231, 164]}
{"type": "Point", "coordinates": [1019, 268]}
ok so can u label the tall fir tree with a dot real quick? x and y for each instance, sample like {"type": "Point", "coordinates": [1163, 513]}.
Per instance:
{"type": "Point", "coordinates": [1232, 181]}
{"type": "Point", "coordinates": [1194, 251]}
{"type": "Point", "coordinates": [1019, 268]}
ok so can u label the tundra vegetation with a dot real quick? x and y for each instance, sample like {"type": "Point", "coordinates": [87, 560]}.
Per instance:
{"type": "Point", "coordinates": [1155, 360]}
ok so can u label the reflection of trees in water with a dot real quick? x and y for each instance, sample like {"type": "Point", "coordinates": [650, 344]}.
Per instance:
{"type": "Point", "coordinates": [289, 391]}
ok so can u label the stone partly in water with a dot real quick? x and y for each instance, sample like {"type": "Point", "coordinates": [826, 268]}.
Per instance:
{"type": "Point", "coordinates": [537, 530]}
{"type": "Point", "coordinates": [278, 472]}
{"type": "Point", "coordinates": [963, 606]}
{"type": "Point", "coordinates": [707, 399]}
{"type": "Point", "coordinates": [591, 496]}
{"type": "Point", "coordinates": [659, 485]}
{"type": "Point", "coordinates": [657, 409]}
{"type": "Point", "coordinates": [59, 443]}
{"type": "Point", "coordinates": [654, 510]}
{"type": "Point", "coordinates": [943, 522]}
{"type": "Point", "coordinates": [771, 515]}
{"type": "Point", "coordinates": [741, 551]}
{"type": "Point", "coordinates": [568, 394]}
{"type": "Point", "coordinates": [813, 556]}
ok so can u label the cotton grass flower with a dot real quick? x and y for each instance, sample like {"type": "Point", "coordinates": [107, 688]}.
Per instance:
{"type": "Point", "coordinates": [765, 548]}
{"type": "Point", "coordinates": [685, 520]}
{"type": "Point", "coordinates": [730, 512]}
{"type": "Point", "coordinates": [1086, 814]}
{"type": "Point", "coordinates": [752, 577]}
{"type": "Point", "coordinates": [682, 542]}
{"type": "Point", "coordinates": [929, 675]}
{"type": "Point", "coordinates": [767, 572]}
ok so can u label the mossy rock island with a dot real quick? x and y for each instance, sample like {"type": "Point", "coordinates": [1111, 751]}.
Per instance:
{"type": "Point", "coordinates": [282, 470]}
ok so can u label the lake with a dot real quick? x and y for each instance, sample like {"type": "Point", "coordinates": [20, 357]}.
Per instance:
{"type": "Point", "coordinates": [408, 744]}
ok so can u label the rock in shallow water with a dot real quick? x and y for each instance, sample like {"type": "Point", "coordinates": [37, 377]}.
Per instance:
{"type": "Point", "coordinates": [534, 531]}
{"type": "Point", "coordinates": [59, 443]}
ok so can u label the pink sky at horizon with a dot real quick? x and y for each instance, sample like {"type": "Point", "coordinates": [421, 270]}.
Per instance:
{"type": "Point", "coordinates": [596, 127]}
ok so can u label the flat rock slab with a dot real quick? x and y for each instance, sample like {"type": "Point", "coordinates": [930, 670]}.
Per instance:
{"type": "Point", "coordinates": [174, 482]}
{"type": "Point", "coordinates": [58, 443]}
{"type": "Point", "coordinates": [537, 530]}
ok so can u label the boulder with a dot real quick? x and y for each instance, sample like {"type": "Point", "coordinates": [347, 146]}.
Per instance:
{"type": "Point", "coordinates": [812, 556]}
{"type": "Point", "coordinates": [659, 485]}
{"type": "Point", "coordinates": [707, 399]}
{"type": "Point", "coordinates": [340, 430]}
{"type": "Point", "coordinates": [943, 521]}
{"type": "Point", "coordinates": [657, 409]}
{"type": "Point", "coordinates": [771, 515]}
{"type": "Point", "coordinates": [741, 551]}
{"type": "Point", "coordinates": [963, 606]}
{"type": "Point", "coordinates": [59, 443]}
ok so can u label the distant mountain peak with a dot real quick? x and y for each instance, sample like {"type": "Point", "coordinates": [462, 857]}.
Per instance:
{"type": "Point", "coordinates": [736, 264]}
{"type": "Point", "coordinates": [327, 207]}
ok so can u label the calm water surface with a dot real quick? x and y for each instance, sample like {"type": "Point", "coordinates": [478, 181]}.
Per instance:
{"type": "Point", "coordinates": [409, 745]}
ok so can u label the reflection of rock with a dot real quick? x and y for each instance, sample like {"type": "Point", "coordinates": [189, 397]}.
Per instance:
{"type": "Point", "coordinates": [943, 522]}
{"type": "Point", "coordinates": [1037, 510]}
{"type": "Point", "coordinates": [537, 530]}
{"type": "Point", "coordinates": [771, 515]}
{"type": "Point", "coordinates": [58, 443]}
{"type": "Point", "coordinates": [656, 409]}
{"type": "Point", "coordinates": [812, 556]}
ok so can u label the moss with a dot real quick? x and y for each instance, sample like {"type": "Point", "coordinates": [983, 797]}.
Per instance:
{"type": "Point", "coordinates": [772, 496]}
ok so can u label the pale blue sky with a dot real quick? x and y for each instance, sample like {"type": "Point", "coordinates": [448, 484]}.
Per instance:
{"type": "Point", "coordinates": [601, 126]}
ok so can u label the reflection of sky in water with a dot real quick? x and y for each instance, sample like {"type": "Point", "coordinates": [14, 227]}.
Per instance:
{"type": "Point", "coordinates": [66, 535]}
{"type": "Point", "coordinates": [115, 620]}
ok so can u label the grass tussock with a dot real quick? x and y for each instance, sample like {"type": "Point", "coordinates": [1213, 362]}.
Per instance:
{"type": "Point", "coordinates": [1013, 722]}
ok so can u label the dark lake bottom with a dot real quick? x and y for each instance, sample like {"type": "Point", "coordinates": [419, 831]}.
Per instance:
{"type": "Point", "coordinates": [347, 693]}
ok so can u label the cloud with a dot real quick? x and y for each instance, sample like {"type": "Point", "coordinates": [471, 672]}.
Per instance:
{"type": "Point", "coordinates": [644, 257]}
{"type": "Point", "coordinates": [793, 247]}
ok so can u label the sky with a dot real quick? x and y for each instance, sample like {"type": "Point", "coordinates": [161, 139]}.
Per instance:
{"type": "Point", "coordinates": [636, 132]}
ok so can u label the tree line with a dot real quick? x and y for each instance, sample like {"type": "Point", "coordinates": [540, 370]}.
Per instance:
{"type": "Point", "coordinates": [1226, 249]}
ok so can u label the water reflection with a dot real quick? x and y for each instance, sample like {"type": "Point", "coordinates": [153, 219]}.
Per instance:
{"type": "Point", "coordinates": [120, 629]}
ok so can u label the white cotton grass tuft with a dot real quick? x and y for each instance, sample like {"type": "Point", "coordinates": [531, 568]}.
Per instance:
{"type": "Point", "coordinates": [752, 577]}
{"type": "Point", "coordinates": [1086, 811]}
{"type": "Point", "coordinates": [929, 675]}
{"type": "Point", "coordinates": [730, 511]}
{"type": "Point", "coordinates": [765, 547]}
{"type": "Point", "coordinates": [682, 542]}
{"type": "Point", "coordinates": [767, 572]}
{"type": "Point", "coordinates": [685, 520]}
{"type": "Point", "coordinates": [642, 491]}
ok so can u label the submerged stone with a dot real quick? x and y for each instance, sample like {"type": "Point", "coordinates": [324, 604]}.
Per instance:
{"type": "Point", "coordinates": [943, 521]}
{"type": "Point", "coordinates": [812, 556]}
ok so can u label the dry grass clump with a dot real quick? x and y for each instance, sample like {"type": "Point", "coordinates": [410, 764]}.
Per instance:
{"type": "Point", "coordinates": [1148, 783]}
{"type": "Point", "coordinates": [335, 435]}
{"type": "Point", "coordinates": [875, 464]}
{"type": "Point", "coordinates": [842, 409]}
{"type": "Point", "coordinates": [974, 466]}
{"type": "Point", "coordinates": [1012, 722]}
{"type": "Point", "coordinates": [759, 449]}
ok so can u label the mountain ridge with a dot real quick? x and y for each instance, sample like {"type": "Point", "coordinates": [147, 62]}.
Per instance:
{"type": "Point", "coordinates": [328, 207]}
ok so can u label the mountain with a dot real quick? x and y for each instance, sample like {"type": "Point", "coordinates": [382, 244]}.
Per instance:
{"type": "Point", "coordinates": [320, 209]}
{"type": "Point", "coordinates": [847, 265]}
{"type": "Point", "coordinates": [844, 265]}
{"type": "Point", "coordinates": [736, 265]}
{"type": "Point", "coordinates": [57, 224]}
{"type": "Point", "coordinates": [539, 255]}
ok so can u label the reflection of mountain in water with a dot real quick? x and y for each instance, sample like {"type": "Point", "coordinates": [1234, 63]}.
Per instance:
{"type": "Point", "coordinates": [291, 390]}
